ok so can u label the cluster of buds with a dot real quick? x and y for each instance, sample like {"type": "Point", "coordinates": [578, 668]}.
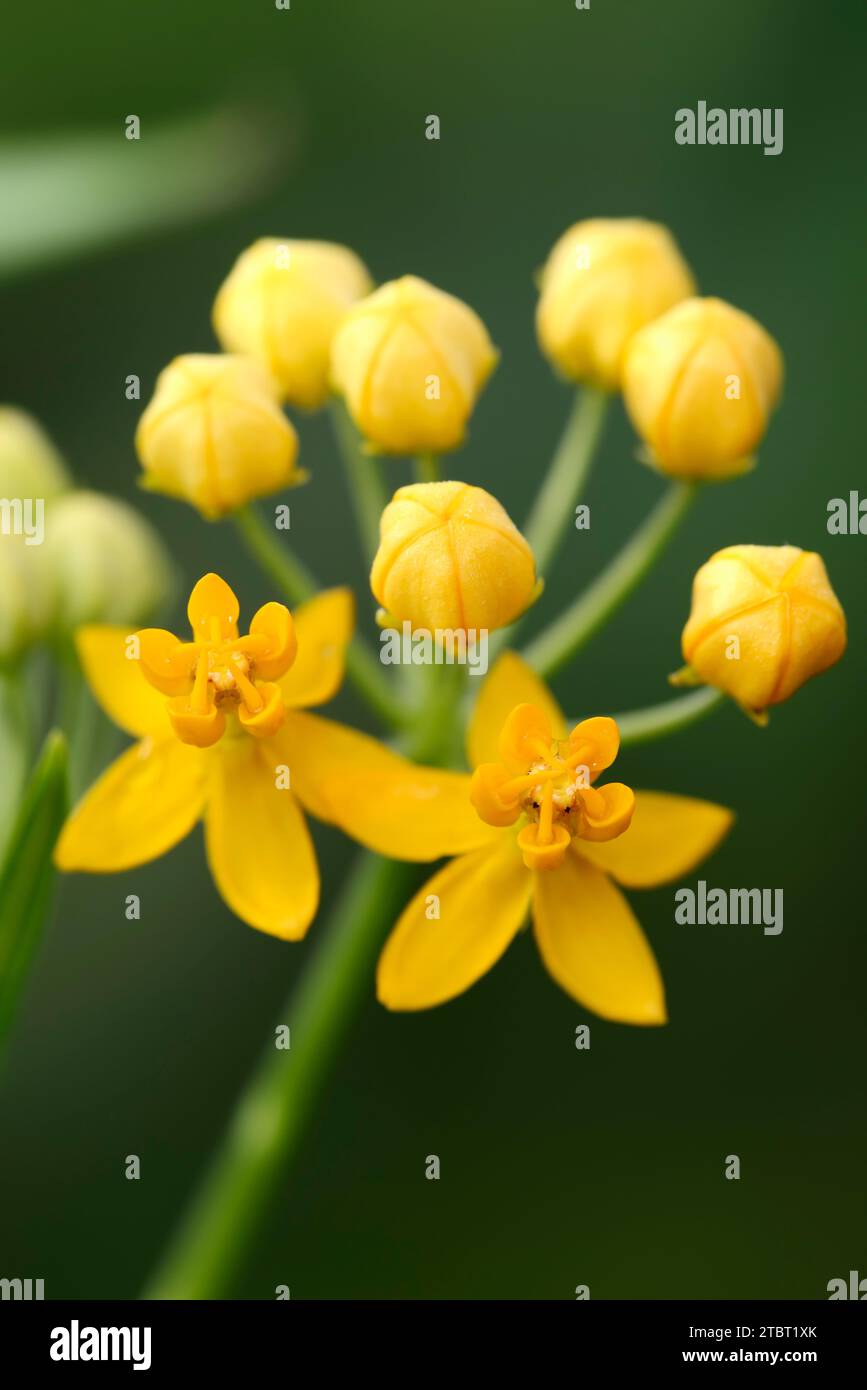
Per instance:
{"type": "Point", "coordinates": [618, 310]}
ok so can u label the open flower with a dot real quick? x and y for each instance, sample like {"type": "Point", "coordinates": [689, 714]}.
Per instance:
{"type": "Point", "coordinates": [281, 303]}
{"type": "Point", "coordinates": [450, 557]}
{"type": "Point", "coordinates": [214, 434]}
{"type": "Point", "coordinates": [411, 361]}
{"type": "Point", "coordinates": [605, 279]}
{"type": "Point", "coordinates": [222, 737]}
{"type": "Point", "coordinates": [764, 620]}
{"type": "Point", "coordinates": [532, 833]}
{"type": "Point", "coordinates": [700, 384]}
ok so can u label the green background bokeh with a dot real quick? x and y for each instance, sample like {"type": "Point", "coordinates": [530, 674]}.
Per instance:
{"type": "Point", "coordinates": [559, 1167]}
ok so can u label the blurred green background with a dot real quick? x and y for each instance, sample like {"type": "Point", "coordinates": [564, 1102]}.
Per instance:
{"type": "Point", "coordinates": [559, 1167]}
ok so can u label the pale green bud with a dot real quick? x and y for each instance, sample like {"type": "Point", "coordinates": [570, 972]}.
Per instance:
{"type": "Point", "coordinates": [30, 466]}
{"type": "Point", "coordinates": [106, 562]}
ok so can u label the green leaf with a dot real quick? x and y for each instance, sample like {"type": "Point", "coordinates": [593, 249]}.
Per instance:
{"type": "Point", "coordinates": [68, 194]}
{"type": "Point", "coordinates": [27, 875]}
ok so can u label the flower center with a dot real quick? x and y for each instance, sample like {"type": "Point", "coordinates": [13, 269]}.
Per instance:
{"type": "Point", "coordinates": [220, 673]}
{"type": "Point", "coordinates": [554, 795]}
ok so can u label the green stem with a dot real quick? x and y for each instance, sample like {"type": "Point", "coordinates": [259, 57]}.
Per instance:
{"type": "Point", "coordinates": [364, 476]}
{"type": "Point", "coordinates": [658, 721]}
{"type": "Point", "coordinates": [554, 508]}
{"type": "Point", "coordinates": [298, 584]}
{"type": "Point", "coordinates": [276, 559]}
{"type": "Point", "coordinates": [427, 468]}
{"type": "Point", "coordinates": [568, 633]}
{"type": "Point", "coordinates": [269, 1121]}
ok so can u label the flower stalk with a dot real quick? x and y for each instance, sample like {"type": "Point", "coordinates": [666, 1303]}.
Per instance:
{"type": "Point", "coordinates": [297, 583]}
{"type": "Point", "coordinates": [554, 506]}
{"type": "Point", "coordinates": [270, 1119]}
{"type": "Point", "coordinates": [364, 477]}
{"type": "Point", "coordinates": [668, 717]}
{"type": "Point", "coordinates": [559, 642]}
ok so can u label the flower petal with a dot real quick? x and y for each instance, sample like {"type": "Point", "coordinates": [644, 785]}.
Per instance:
{"type": "Point", "coordinates": [381, 799]}
{"type": "Point", "coordinates": [511, 682]}
{"type": "Point", "coordinates": [213, 604]}
{"type": "Point", "coordinates": [141, 806]}
{"type": "Point", "coordinates": [525, 738]}
{"type": "Point", "coordinates": [482, 900]}
{"type": "Point", "coordinates": [258, 844]}
{"type": "Point", "coordinates": [593, 945]}
{"type": "Point", "coordinates": [323, 627]}
{"type": "Point", "coordinates": [668, 836]}
{"type": "Point", "coordinates": [117, 681]}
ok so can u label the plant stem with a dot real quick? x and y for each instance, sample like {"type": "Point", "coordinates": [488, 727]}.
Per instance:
{"type": "Point", "coordinates": [364, 476]}
{"type": "Point", "coordinates": [669, 717]}
{"type": "Point", "coordinates": [427, 468]}
{"type": "Point", "coordinates": [277, 560]}
{"type": "Point", "coordinates": [298, 584]}
{"type": "Point", "coordinates": [554, 507]}
{"type": "Point", "coordinates": [568, 633]}
{"type": "Point", "coordinates": [270, 1119]}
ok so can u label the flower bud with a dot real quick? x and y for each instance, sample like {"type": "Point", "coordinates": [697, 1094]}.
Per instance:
{"type": "Point", "coordinates": [105, 562]}
{"type": "Point", "coordinates": [699, 385]}
{"type": "Point", "coordinates": [450, 558]}
{"type": "Point", "coordinates": [411, 361]}
{"type": "Point", "coordinates": [281, 304]}
{"type": "Point", "coordinates": [764, 620]}
{"type": "Point", "coordinates": [605, 279]}
{"type": "Point", "coordinates": [30, 466]}
{"type": "Point", "coordinates": [214, 434]}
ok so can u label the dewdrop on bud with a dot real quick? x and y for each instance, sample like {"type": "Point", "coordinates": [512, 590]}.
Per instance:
{"type": "Point", "coordinates": [30, 466]}
{"type": "Point", "coordinates": [411, 361]}
{"type": "Point", "coordinates": [214, 434]}
{"type": "Point", "coordinates": [105, 562]}
{"type": "Point", "coordinates": [605, 279]}
{"type": "Point", "coordinates": [699, 385]}
{"type": "Point", "coordinates": [281, 304]}
{"type": "Point", "coordinates": [764, 620]}
{"type": "Point", "coordinates": [450, 558]}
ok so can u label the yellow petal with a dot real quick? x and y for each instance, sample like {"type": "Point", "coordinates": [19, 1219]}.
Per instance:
{"type": "Point", "coordinates": [141, 806]}
{"type": "Point", "coordinates": [323, 627]}
{"type": "Point", "coordinates": [211, 600]}
{"type": "Point", "coordinates": [482, 900]}
{"type": "Point", "coordinates": [595, 743]}
{"type": "Point", "coordinates": [272, 642]}
{"type": "Point", "coordinates": [117, 681]}
{"type": "Point", "coordinates": [165, 662]}
{"type": "Point", "coordinates": [607, 811]}
{"type": "Point", "coordinates": [668, 836]}
{"type": "Point", "coordinates": [381, 799]}
{"type": "Point", "coordinates": [525, 738]}
{"type": "Point", "coordinates": [258, 844]}
{"type": "Point", "coordinates": [593, 945]}
{"type": "Point", "coordinates": [511, 682]}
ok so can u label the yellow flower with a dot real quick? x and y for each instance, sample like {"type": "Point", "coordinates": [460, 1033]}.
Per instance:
{"type": "Point", "coordinates": [531, 834]}
{"type": "Point", "coordinates": [699, 385]}
{"type": "Point", "coordinates": [222, 735]}
{"type": "Point", "coordinates": [282, 302]}
{"type": "Point", "coordinates": [214, 435]}
{"type": "Point", "coordinates": [605, 279]}
{"type": "Point", "coordinates": [449, 557]}
{"type": "Point", "coordinates": [764, 620]}
{"type": "Point", "coordinates": [411, 361]}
